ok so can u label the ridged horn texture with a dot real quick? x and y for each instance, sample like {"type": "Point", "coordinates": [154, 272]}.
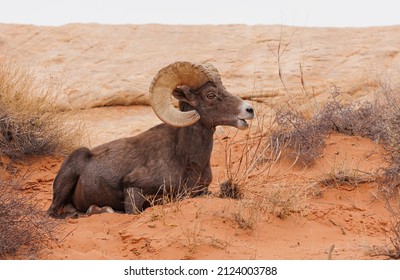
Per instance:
{"type": "Point", "coordinates": [212, 70]}
{"type": "Point", "coordinates": [167, 80]}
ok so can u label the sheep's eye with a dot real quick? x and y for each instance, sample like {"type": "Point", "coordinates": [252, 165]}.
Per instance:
{"type": "Point", "coordinates": [211, 95]}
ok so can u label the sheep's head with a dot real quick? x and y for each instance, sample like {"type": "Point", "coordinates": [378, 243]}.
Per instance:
{"type": "Point", "coordinates": [200, 89]}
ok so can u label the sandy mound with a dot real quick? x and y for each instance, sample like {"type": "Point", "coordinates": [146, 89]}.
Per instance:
{"type": "Point", "coordinates": [289, 212]}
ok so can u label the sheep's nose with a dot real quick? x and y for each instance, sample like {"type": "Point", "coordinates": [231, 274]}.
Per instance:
{"type": "Point", "coordinates": [246, 111]}
{"type": "Point", "coordinates": [250, 110]}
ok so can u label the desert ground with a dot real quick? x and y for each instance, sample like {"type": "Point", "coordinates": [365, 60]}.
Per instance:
{"type": "Point", "coordinates": [288, 210]}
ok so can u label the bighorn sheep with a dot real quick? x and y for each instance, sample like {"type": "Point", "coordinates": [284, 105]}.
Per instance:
{"type": "Point", "coordinates": [175, 154]}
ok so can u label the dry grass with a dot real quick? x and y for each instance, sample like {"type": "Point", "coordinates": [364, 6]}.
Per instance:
{"type": "Point", "coordinates": [249, 163]}
{"type": "Point", "coordinates": [246, 157]}
{"type": "Point", "coordinates": [284, 200]}
{"type": "Point", "coordinates": [191, 239]}
{"type": "Point", "coordinates": [247, 214]}
{"type": "Point", "coordinates": [31, 119]}
{"type": "Point", "coordinates": [24, 229]}
{"type": "Point", "coordinates": [391, 248]}
{"type": "Point", "coordinates": [168, 194]}
{"type": "Point", "coordinates": [344, 177]}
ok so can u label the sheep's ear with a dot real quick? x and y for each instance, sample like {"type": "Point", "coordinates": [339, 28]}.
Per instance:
{"type": "Point", "coordinates": [184, 93]}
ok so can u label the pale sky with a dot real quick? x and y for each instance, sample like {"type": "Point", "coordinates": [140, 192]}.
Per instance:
{"type": "Point", "coordinates": [335, 13]}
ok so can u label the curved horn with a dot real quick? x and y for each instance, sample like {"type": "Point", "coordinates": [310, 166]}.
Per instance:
{"type": "Point", "coordinates": [166, 81]}
{"type": "Point", "coordinates": [212, 70]}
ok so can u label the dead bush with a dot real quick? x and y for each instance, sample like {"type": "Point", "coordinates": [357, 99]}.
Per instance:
{"type": "Point", "coordinates": [297, 137]}
{"type": "Point", "coordinates": [388, 105]}
{"type": "Point", "coordinates": [24, 229]}
{"type": "Point", "coordinates": [31, 119]}
{"type": "Point", "coordinates": [304, 138]}
{"type": "Point", "coordinates": [357, 118]}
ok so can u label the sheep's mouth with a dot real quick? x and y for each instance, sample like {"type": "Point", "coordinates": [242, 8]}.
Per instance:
{"type": "Point", "coordinates": [242, 124]}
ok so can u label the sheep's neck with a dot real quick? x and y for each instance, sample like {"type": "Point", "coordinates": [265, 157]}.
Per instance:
{"type": "Point", "coordinates": [197, 141]}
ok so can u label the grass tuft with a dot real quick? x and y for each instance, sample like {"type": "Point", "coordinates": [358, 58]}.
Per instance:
{"type": "Point", "coordinates": [230, 189]}
{"type": "Point", "coordinates": [32, 121]}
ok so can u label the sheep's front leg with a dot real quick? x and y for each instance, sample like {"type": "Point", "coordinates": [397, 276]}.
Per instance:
{"type": "Point", "coordinates": [134, 200]}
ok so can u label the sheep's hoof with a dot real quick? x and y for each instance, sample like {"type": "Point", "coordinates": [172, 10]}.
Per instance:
{"type": "Point", "coordinates": [94, 209]}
